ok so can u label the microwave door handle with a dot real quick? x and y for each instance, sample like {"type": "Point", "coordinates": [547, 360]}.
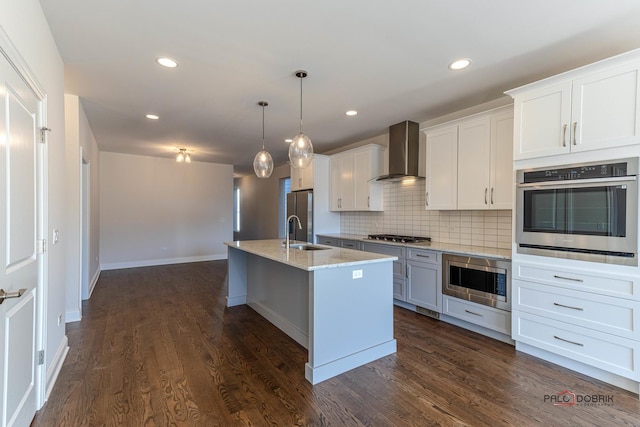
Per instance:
{"type": "Point", "coordinates": [581, 182]}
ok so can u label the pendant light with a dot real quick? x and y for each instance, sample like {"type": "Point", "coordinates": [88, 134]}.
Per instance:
{"type": "Point", "coordinates": [300, 149]}
{"type": "Point", "coordinates": [263, 162]}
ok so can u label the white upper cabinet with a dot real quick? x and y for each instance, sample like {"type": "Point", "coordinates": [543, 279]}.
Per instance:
{"type": "Point", "coordinates": [470, 164]}
{"type": "Point", "coordinates": [302, 179]}
{"type": "Point", "coordinates": [350, 173]}
{"type": "Point", "coordinates": [594, 107]}
{"type": "Point", "coordinates": [474, 164]}
{"type": "Point", "coordinates": [442, 169]}
{"type": "Point", "coordinates": [502, 179]}
{"type": "Point", "coordinates": [341, 186]}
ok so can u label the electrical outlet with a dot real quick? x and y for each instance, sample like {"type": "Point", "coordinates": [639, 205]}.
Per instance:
{"type": "Point", "coordinates": [56, 236]}
{"type": "Point", "coordinates": [59, 319]}
{"type": "Point", "coordinates": [356, 274]}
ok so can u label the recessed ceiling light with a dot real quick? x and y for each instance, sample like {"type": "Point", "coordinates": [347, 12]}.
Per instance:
{"type": "Point", "coordinates": [288, 140]}
{"type": "Point", "coordinates": [167, 62]}
{"type": "Point", "coordinates": [152, 116]}
{"type": "Point", "coordinates": [351, 113]}
{"type": "Point", "coordinates": [459, 64]}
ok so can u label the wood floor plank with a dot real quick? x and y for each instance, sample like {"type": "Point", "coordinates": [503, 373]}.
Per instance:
{"type": "Point", "coordinates": [157, 347]}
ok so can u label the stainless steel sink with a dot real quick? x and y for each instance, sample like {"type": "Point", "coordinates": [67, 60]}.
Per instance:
{"type": "Point", "coordinates": [308, 247]}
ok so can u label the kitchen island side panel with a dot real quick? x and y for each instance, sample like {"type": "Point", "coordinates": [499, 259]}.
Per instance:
{"type": "Point", "coordinates": [236, 277]}
{"type": "Point", "coordinates": [280, 293]}
{"type": "Point", "coordinates": [351, 319]}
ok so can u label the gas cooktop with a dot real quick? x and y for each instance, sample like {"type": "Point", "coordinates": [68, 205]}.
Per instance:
{"type": "Point", "coordinates": [398, 238]}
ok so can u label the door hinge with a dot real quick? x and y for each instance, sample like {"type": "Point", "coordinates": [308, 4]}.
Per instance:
{"type": "Point", "coordinates": [42, 246]}
{"type": "Point", "coordinates": [41, 357]}
{"type": "Point", "coordinates": [43, 134]}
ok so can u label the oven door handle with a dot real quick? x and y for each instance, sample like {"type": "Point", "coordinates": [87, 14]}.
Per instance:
{"type": "Point", "coordinates": [579, 182]}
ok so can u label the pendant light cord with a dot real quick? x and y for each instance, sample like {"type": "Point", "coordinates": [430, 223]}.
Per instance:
{"type": "Point", "coordinates": [263, 127]}
{"type": "Point", "coordinates": [301, 104]}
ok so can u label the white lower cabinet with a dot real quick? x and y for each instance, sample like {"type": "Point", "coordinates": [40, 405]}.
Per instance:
{"type": "Point", "coordinates": [583, 315]}
{"type": "Point", "coordinates": [602, 350]}
{"type": "Point", "coordinates": [424, 279]}
{"type": "Point", "coordinates": [478, 314]}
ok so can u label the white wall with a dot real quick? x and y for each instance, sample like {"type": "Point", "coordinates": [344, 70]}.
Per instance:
{"type": "Point", "coordinates": [24, 23]}
{"type": "Point", "coordinates": [80, 143]}
{"type": "Point", "coordinates": [155, 211]}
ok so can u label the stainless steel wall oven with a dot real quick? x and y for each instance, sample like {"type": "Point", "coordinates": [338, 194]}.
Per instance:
{"type": "Point", "coordinates": [587, 211]}
{"type": "Point", "coordinates": [481, 280]}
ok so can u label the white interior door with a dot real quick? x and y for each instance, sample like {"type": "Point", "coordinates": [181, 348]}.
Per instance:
{"type": "Point", "coordinates": [19, 259]}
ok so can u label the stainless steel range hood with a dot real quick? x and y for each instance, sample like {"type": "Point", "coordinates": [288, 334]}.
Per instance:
{"type": "Point", "coordinates": [404, 152]}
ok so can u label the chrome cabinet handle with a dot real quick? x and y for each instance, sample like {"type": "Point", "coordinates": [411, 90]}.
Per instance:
{"type": "Point", "coordinates": [475, 314]}
{"type": "Point", "coordinates": [570, 342]}
{"type": "Point", "coordinates": [427, 199]}
{"type": "Point", "coordinates": [369, 201]}
{"type": "Point", "coordinates": [485, 196]}
{"type": "Point", "coordinates": [492, 195]}
{"type": "Point", "coordinates": [564, 135]}
{"type": "Point", "coordinates": [575, 125]}
{"type": "Point", "coordinates": [568, 306]}
{"type": "Point", "coordinates": [568, 278]}
{"type": "Point", "coordinates": [6, 295]}
{"type": "Point", "coordinates": [423, 256]}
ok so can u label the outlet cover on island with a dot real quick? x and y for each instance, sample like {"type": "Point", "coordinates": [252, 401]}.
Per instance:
{"type": "Point", "coordinates": [356, 274]}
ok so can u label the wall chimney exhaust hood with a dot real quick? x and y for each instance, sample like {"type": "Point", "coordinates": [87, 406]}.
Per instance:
{"type": "Point", "coordinates": [404, 152]}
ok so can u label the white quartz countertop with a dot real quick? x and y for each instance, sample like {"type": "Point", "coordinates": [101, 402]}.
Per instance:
{"type": "Point", "coordinates": [477, 251]}
{"type": "Point", "coordinates": [332, 257]}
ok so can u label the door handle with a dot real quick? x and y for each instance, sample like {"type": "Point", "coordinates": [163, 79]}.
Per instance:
{"type": "Point", "coordinates": [426, 199]}
{"type": "Point", "coordinates": [492, 195]}
{"type": "Point", "coordinates": [4, 295]}
{"type": "Point", "coordinates": [564, 135]}
{"type": "Point", "coordinates": [575, 124]}
{"type": "Point", "coordinates": [485, 195]}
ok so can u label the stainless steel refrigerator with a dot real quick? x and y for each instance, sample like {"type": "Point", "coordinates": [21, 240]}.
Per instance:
{"type": "Point", "coordinates": [300, 203]}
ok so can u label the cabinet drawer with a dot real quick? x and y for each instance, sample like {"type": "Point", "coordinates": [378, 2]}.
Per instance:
{"type": "Point", "coordinates": [611, 284]}
{"type": "Point", "coordinates": [606, 314]}
{"type": "Point", "coordinates": [488, 317]}
{"type": "Point", "coordinates": [383, 249]}
{"type": "Point", "coordinates": [399, 290]}
{"type": "Point", "coordinates": [328, 241]}
{"type": "Point", "coordinates": [350, 244]}
{"type": "Point", "coordinates": [421, 255]}
{"type": "Point", "coordinates": [604, 351]}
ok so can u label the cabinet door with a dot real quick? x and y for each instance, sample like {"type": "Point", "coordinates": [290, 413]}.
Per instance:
{"type": "Point", "coordinates": [366, 165]}
{"type": "Point", "coordinates": [474, 162]}
{"type": "Point", "coordinates": [424, 285]}
{"type": "Point", "coordinates": [442, 169]}
{"type": "Point", "coordinates": [605, 109]}
{"type": "Point", "coordinates": [302, 179]}
{"type": "Point", "coordinates": [542, 120]}
{"type": "Point", "coordinates": [502, 179]}
{"type": "Point", "coordinates": [341, 191]}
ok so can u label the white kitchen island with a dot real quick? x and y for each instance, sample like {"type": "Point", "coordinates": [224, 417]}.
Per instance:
{"type": "Point", "coordinates": [335, 302]}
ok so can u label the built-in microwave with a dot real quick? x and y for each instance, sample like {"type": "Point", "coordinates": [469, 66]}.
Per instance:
{"type": "Point", "coordinates": [587, 211]}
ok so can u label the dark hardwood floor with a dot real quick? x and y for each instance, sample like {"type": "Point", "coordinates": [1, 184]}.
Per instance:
{"type": "Point", "coordinates": [157, 347]}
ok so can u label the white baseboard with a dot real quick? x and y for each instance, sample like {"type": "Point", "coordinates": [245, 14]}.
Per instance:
{"type": "Point", "coordinates": [164, 261]}
{"type": "Point", "coordinates": [53, 369]}
{"type": "Point", "coordinates": [94, 280]}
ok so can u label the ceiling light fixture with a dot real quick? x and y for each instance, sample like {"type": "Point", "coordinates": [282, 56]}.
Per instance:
{"type": "Point", "coordinates": [351, 113]}
{"type": "Point", "coordinates": [167, 62]}
{"type": "Point", "coordinates": [459, 64]}
{"type": "Point", "coordinates": [183, 156]}
{"type": "Point", "coordinates": [300, 149]}
{"type": "Point", "coordinates": [288, 140]}
{"type": "Point", "coordinates": [263, 162]}
{"type": "Point", "coordinates": [152, 116]}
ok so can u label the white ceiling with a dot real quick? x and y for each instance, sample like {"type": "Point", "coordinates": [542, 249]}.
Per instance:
{"type": "Point", "coordinates": [386, 59]}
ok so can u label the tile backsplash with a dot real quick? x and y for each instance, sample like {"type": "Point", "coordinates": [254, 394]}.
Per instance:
{"type": "Point", "coordinates": [404, 213]}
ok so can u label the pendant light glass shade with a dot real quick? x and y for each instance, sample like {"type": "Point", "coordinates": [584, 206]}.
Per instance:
{"type": "Point", "coordinates": [301, 149]}
{"type": "Point", "coordinates": [263, 162]}
{"type": "Point", "coordinates": [183, 156]}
